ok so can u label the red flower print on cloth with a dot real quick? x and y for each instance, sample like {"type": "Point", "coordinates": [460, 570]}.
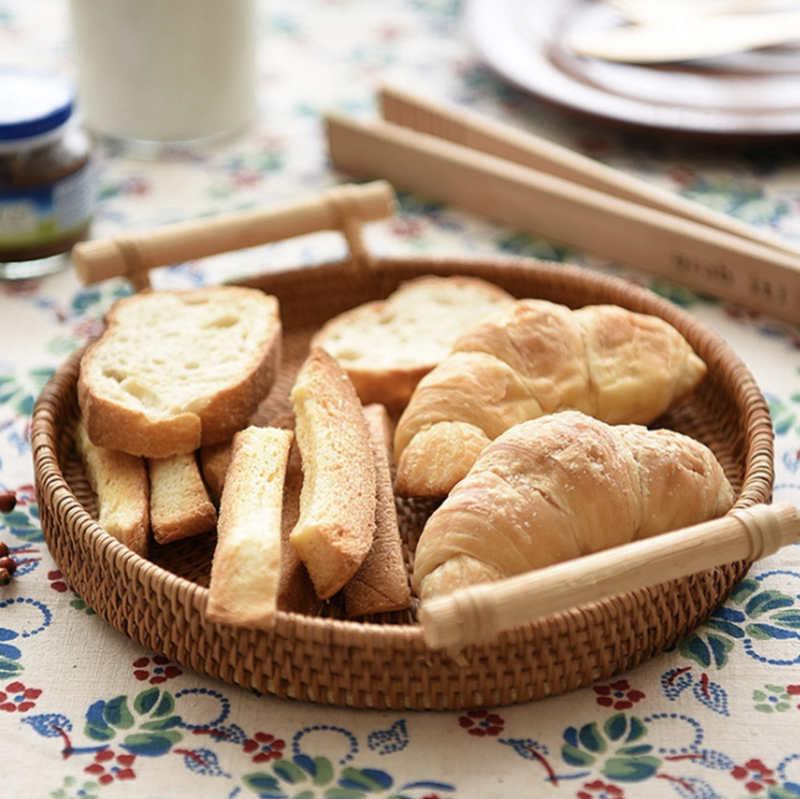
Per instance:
{"type": "Point", "coordinates": [482, 722]}
{"type": "Point", "coordinates": [18, 698]}
{"type": "Point", "coordinates": [600, 790]}
{"type": "Point", "coordinates": [57, 581]}
{"type": "Point", "coordinates": [155, 670]}
{"type": "Point", "coordinates": [755, 774]}
{"type": "Point", "coordinates": [109, 766]}
{"type": "Point", "coordinates": [266, 747]}
{"type": "Point", "coordinates": [618, 695]}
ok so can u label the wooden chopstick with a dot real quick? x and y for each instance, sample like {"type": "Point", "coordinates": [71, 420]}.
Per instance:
{"type": "Point", "coordinates": [600, 218]}
{"type": "Point", "coordinates": [477, 614]}
{"type": "Point", "coordinates": [478, 132]}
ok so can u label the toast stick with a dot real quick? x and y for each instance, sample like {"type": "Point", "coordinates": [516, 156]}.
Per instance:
{"type": "Point", "coordinates": [381, 583]}
{"type": "Point", "coordinates": [120, 484]}
{"type": "Point", "coordinates": [336, 525]}
{"type": "Point", "coordinates": [245, 571]}
{"type": "Point", "coordinates": [180, 506]}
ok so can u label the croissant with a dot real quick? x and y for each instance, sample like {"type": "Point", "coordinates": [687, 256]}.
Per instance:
{"type": "Point", "coordinates": [561, 486]}
{"type": "Point", "coordinates": [535, 358]}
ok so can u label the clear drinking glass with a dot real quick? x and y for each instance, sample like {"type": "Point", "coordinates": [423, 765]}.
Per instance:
{"type": "Point", "coordinates": [156, 73]}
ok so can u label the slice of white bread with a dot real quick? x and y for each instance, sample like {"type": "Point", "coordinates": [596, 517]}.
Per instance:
{"type": "Point", "coordinates": [337, 500]}
{"type": "Point", "coordinates": [246, 567]}
{"type": "Point", "coordinates": [175, 370]}
{"type": "Point", "coordinates": [180, 506]}
{"type": "Point", "coordinates": [121, 488]}
{"type": "Point", "coordinates": [381, 583]}
{"type": "Point", "coordinates": [387, 346]}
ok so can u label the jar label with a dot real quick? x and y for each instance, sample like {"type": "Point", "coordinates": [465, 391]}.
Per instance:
{"type": "Point", "coordinates": [41, 215]}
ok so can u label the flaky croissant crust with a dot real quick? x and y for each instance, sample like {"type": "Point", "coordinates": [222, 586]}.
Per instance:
{"type": "Point", "coordinates": [537, 358]}
{"type": "Point", "coordinates": [563, 486]}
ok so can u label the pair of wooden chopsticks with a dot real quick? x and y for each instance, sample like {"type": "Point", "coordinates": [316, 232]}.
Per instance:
{"type": "Point", "coordinates": [505, 174]}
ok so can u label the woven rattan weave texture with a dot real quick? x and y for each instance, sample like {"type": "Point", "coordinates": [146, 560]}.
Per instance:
{"type": "Point", "coordinates": [384, 663]}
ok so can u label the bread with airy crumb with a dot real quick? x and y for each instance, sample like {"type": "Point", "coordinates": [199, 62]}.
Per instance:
{"type": "Point", "coordinates": [121, 488]}
{"type": "Point", "coordinates": [386, 346]}
{"type": "Point", "coordinates": [177, 370]}
{"type": "Point", "coordinates": [246, 567]}
{"type": "Point", "coordinates": [336, 526]}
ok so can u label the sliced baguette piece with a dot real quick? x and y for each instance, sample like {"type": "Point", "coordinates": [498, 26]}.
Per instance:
{"type": "Point", "coordinates": [336, 526]}
{"type": "Point", "coordinates": [381, 584]}
{"type": "Point", "coordinates": [180, 506]}
{"type": "Point", "coordinates": [176, 370]}
{"type": "Point", "coordinates": [121, 487]}
{"type": "Point", "coordinates": [245, 570]}
{"type": "Point", "coordinates": [387, 346]}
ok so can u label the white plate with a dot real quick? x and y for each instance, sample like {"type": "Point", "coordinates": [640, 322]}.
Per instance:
{"type": "Point", "coordinates": [753, 94]}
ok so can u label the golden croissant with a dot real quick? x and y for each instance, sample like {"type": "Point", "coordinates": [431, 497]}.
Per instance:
{"type": "Point", "coordinates": [562, 486]}
{"type": "Point", "coordinates": [534, 358]}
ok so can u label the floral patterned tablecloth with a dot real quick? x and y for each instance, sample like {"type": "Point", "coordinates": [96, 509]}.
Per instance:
{"type": "Point", "coordinates": [85, 712]}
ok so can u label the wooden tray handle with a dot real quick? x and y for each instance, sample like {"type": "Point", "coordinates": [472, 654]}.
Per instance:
{"type": "Point", "coordinates": [342, 208]}
{"type": "Point", "coordinates": [469, 616]}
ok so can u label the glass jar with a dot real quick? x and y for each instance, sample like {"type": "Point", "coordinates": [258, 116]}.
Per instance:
{"type": "Point", "coordinates": [46, 191]}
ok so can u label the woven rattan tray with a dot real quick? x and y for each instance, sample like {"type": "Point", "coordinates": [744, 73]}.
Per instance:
{"type": "Point", "coordinates": [384, 663]}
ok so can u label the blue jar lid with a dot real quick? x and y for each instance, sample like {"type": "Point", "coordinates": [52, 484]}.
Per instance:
{"type": "Point", "coordinates": [33, 103]}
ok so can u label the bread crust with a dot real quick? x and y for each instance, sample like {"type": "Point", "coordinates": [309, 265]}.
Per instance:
{"type": "Point", "coordinates": [135, 386]}
{"type": "Point", "coordinates": [381, 583]}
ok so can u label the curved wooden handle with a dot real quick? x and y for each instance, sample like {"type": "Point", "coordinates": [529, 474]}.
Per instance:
{"type": "Point", "coordinates": [478, 613]}
{"type": "Point", "coordinates": [342, 208]}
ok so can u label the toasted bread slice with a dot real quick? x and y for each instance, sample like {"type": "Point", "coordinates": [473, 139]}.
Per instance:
{"type": "Point", "coordinates": [381, 583]}
{"type": "Point", "coordinates": [337, 501]}
{"type": "Point", "coordinates": [122, 491]}
{"type": "Point", "coordinates": [180, 506]}
{"type": "Point", "coordinates": [246, 567]}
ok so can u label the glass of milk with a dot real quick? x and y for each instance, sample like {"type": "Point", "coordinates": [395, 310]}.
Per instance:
{"type": "Point", "coordinates": [165, 73]}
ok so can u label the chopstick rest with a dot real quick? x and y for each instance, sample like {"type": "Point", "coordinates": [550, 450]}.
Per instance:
{"type": "Point", "coordinates": [711, 260]}
{"type": "Point", "coordinates": [479, 613]}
